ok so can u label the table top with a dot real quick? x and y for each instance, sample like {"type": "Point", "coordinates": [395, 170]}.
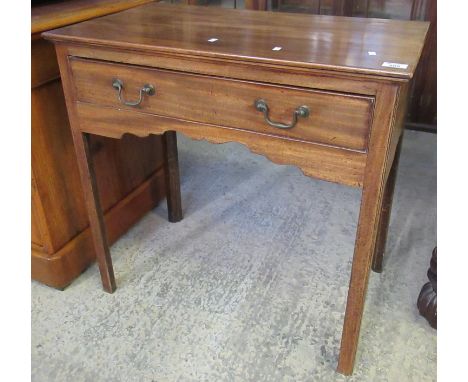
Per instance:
{"type": "Point", "coordinates": [344, 44]}
{"type": "Point", "coordinates": [57, 14]}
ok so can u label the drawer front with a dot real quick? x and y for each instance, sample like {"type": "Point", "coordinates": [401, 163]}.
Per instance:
{"type": "Point", "coordinates": [336, 119]}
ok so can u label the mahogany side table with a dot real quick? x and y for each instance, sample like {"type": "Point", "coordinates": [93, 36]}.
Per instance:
{"type": "Point", "coordinates": [326, 94]}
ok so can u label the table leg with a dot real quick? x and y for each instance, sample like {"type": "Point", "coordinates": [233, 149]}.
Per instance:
{"type": "Point", "coordinates": [385, 212]}
{"type": "Point", "coordinates": [371, 204]}
{"type": "Point", "coordinates": [93, 206]}
{"type": "Point", "coordinates": [171, 170]}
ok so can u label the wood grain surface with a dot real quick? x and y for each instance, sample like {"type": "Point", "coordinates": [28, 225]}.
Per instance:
{"type": "Point", "coordinates": [323, 42]}
{"type": "Point", "coordinates": [57, 14]}
{"type": "Point", "coordinates": [336, 119]}
{"type": "Point", "coordinates": [323, 162]}
{"type": "Point", "coordinates": [129, 171]}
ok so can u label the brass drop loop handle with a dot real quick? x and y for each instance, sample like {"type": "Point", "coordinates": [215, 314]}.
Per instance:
{"type": "Point", "coordinates": [301, 111]}
{"type": "Point", "coordinates": [146, 89]}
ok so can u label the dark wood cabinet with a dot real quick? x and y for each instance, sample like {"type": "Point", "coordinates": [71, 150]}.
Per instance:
{"type": "Point", "coordinates": [131, 176]}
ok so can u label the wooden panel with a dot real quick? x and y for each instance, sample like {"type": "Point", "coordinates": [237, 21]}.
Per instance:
{"type": "Point", "coordinates": [275, 74]}
{"type": "Point", "coordinates": [256, 4]}
{"type": "Point", "coordinates": [36, 237]}
{"type": "Point", "coordinates": [49, 16]}
{"type": "Point", "coordinates": [321, 42]}
{"type": "Point", "coordinates": [118, 164]}
{"type": "Point", "coordinates": [122, 165]}
{"type": "Point", "coordinates": [44, 65]}
{"type": "Point", "coordinates": [335, 165]}
{"type": "Point", "coordinates": [72, 259]}
{"type": "Point", "coordinates": [35, 234]}
{"type": "Point", "coordinates": [54, 165]}
{"type": "Point", "coordinates": [58, 212]}
{"type": "Point", "coordinates": [42, 235]}
{"type": "Point", "coordinates": [336, 119]}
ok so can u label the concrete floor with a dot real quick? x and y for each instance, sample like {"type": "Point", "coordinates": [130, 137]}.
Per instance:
{"type": "Point", "coordinates": [251, 285]}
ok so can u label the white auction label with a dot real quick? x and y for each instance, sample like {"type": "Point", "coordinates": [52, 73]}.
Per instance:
{"type": "Point", "coordinates": [395, 65]}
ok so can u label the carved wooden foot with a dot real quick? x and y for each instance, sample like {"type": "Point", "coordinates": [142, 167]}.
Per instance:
{"type": "Point", "coordinates": [427, 300]}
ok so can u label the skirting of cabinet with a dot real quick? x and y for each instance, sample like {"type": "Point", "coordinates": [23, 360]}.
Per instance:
{"type": "Point", "coordinates": [61, 268]}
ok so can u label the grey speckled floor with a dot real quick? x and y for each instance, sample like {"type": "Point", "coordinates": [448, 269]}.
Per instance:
{"type": "Point", "coordinates": [251, 285]}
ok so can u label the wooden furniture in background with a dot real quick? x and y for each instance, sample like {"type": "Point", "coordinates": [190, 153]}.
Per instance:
{"type": "Point", "coordinates": [130, 172]}
{"type": "Point", "coordinates": [326, 107]}
{"type": "Point", "coordinates": [422, 108]}
{"type": "Point", "coordinates": [427, 300]}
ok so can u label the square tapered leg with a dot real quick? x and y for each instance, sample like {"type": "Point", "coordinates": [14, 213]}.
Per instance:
{"type": "Point", "coordinates": [381, 241]}
{"type": "Point", "coordinates": [171, 169]}
{"type": "Point", "coordinates": [94, 210]}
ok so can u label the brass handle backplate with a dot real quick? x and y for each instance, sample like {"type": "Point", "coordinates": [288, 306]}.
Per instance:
{"type": "Point", "coordinates": [146, 89]}
{"type": "Point", "coordinates": [301, 111]}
